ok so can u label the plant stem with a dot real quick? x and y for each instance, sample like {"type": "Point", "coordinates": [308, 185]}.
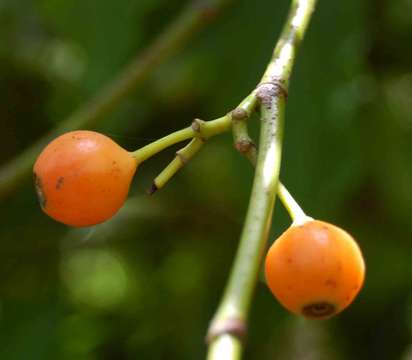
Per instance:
{"type": "Point", "coordinates": [181, 159]}
{"type": "Point", "coordinates": [295, 211]}
{"type": "Point", "coordinates": [228, 326]}
{"type": "Point", "coordinates": [243, 142]}
{"type": "Point", "coordinates": [238, 293]}
{"type": "Point", "coordinates": [246, 146]}
{"type": "Point", "coordinates": [230, 349]}
{"type": "Point", "coordinates": [157, 146]}
{"type": "Point", "coordinates": [199, 128]}
{"type": "Point", "coordinates": [191, 20]}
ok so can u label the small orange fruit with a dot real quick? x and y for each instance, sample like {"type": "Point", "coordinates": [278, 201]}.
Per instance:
{"type": "Point", "coordinates": [82, 178]}
{"type": "Point", "coordinates": [315, 269]}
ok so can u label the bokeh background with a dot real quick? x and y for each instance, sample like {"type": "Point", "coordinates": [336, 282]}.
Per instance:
{"type": "Point", "coordinates": [145, 284]}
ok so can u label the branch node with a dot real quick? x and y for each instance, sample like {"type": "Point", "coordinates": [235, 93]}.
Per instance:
{"type": "Point", "coordinates": [183, 159]}
{"type": "Point", "coordinates": [266, 91]}
{"type": "Point", "coordinates": [231, 326]}
{"type": "Point", "coordinates": [244, 146]}
{"type": "Point", "coordinates": [239, 114]}
{"type": "Point", "coordinates": [197, 126]}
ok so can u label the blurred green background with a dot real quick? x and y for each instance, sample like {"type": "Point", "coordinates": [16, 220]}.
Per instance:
{"type": "Point", "coordinates": [145, 284]}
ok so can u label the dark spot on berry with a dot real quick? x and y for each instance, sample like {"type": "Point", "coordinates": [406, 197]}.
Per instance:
{"type": "Point", "coordinates": [319, 310]}
{"type": "Point", "coordinates": [39, 190]}
{"type": "Point", "coordinates": [59, 182]}
{"type": "Point", "coordinates": [331, 283]}
{"type": "Point", "coordinates": [289, 260]}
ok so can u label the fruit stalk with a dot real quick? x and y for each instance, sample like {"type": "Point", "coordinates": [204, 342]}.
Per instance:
{"type": "Point", "coordinates": [228, 326]}
{"type": "Point", "coordinates": [193, 18]}
{"type": "Point", "coordinates": [198, 129]}
{"type": "Point", "coordinates": [295, 211]}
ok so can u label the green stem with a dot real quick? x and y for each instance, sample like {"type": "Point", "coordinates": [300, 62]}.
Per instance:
{"type": "Point", "coordinates": [295, 211]}
{"type": "Point", "coordinates": [157, 146]}
{"type": "Point", "coordinates": [230, 349]}
{"type": "Point", "coordinates": [238, 293]}
{"type": "Point", "coordinates": [223, 336]}
{"type": "Point", "coordinates": [199, 128]}
{"type": "Point", "coordinates": [182, 158]}
{"type": "Point", "coordinates": [191, 20]}
{"type": "Point", "coordinates": [246, 146]}
{"type": "Point", "coordinates": [243, 142]}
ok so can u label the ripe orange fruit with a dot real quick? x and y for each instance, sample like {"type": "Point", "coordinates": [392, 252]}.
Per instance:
{"type": "Point", "coordinates": [315, 269]}
{"type": "Point", "coordinates": [82, 178]}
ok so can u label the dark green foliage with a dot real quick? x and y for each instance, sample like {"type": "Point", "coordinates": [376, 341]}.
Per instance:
{"type": "Point", "coordinates": [145, 284]}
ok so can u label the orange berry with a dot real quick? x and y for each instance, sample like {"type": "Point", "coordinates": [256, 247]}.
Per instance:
{"type": "Point", "coordinates": [82, 178]}
{"type": "Point", "coordinates": [315, 269]}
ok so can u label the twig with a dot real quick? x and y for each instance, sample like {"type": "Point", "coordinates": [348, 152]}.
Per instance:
{"type": "Point", "coordinates": [200, 131]}
{"type": "Point", "coordinates": [246, 146]}
{"type": "Point", "coordinates": [243, 142]}
{"type": "Point", "coordinates": [192, 19]}
{"type": "Point", "coordinates": [198, 128]}
{"type": "Point", "coordinates": [181, 159]}
{"type": "Point", "coordinates": [225, 340]}
{"type": "Point", "coordinates": [295, 211]}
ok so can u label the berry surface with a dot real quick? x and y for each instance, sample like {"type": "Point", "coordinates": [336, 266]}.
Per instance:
{"type": "Point", "coordinates": [83, 177]}
{"type": "Point", "coordinates": [315, 269]}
